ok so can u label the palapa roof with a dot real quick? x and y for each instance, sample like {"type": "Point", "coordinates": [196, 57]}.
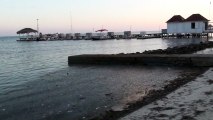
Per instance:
{"type": "Point", "coordinates": [26, 30]}
{"type": "Point", "coordinates": [176, 18]}
{"type": "Point", "coordinates": [196, 17]}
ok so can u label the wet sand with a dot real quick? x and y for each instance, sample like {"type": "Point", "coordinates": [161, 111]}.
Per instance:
{"type": "Point", "coordinates": [153, 95]}
{"type": "Point", "coordinates": [193, 101]}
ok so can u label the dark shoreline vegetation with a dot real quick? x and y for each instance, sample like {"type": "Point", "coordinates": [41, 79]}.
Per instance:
{"type": "Point", "coordinates": [154, 95]}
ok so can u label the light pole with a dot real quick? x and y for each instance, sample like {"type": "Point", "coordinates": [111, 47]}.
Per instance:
{"type": "Point", "coordinates": [37, 26]}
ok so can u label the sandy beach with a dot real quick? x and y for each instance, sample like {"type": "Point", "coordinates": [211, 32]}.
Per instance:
{"type": "Point", "coordinates": [193, 101]}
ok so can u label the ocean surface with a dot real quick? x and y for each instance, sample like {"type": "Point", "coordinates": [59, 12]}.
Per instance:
{"type": "Point", "coordinates": [37, 83]}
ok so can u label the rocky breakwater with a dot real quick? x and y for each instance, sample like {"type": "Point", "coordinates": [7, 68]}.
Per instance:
{"type": "Point", "coordinates": [177, 56]}
{"type": "Point", "coordinates": [188, 49]}
{"type": "Point", "coordinates": [180, 56]}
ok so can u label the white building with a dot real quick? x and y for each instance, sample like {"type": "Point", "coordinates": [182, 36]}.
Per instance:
{"type": "Point", "coordinates": [194, 24]}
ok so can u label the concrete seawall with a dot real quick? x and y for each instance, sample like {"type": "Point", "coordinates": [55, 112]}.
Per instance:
{"type": "Point", "coordinates": [145, 59]}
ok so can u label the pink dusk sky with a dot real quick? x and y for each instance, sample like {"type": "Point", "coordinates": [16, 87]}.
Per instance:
{"type": "Point", "coordinates": [114, 15]}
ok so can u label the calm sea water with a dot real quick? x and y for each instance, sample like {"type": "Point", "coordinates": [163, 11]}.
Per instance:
{"type": "Point", "coordinates": [37, 83]}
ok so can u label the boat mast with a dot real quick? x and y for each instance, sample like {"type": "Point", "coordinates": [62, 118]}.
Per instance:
{"type": "Point", "coordinates": [71, 22]}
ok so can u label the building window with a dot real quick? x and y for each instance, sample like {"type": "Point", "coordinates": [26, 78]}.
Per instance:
{"type": "Point", "coordinates": [206, 25]}
{"type": "Point", "coordinates": [193, 25]}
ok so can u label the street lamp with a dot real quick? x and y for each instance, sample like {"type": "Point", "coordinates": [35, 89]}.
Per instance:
{"type": "Point", "coordinates": [37, 26]}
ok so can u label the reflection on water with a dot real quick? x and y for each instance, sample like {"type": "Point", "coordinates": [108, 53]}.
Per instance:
{"type": "Point", "coordinates": [82, 91]}
{"type": "Point", "coordinates": [36, 82]}
{"type": "Point", "coordinates": [25, 61]}
{"type": "Point", "coordinates": [181, 42]}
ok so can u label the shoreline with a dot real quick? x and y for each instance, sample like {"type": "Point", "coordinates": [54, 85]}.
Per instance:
{"type": "Point", "coordinates": [153, 95]}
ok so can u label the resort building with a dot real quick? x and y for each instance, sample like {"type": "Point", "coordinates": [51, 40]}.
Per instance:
{"type": "Point", "coordinates": [194, 24]}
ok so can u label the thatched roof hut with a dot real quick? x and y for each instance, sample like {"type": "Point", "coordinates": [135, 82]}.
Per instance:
{"type": "Point", "coordinates": [27, 31]}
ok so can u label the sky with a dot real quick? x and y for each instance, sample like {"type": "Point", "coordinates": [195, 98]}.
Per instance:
{"type": "Point", "coordinates": [57, 16]}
